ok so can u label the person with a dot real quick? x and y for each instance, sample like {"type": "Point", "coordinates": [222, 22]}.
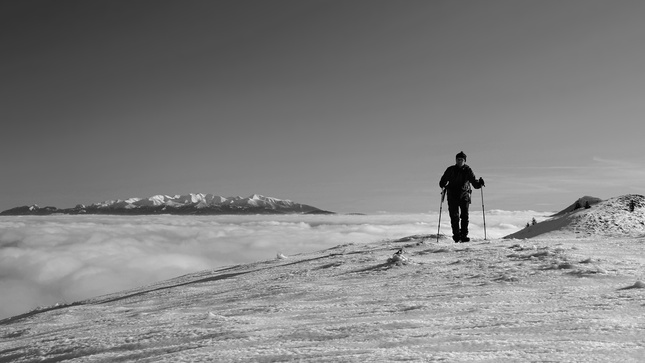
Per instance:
{"type": "Point", "coordinates": [457, 180]}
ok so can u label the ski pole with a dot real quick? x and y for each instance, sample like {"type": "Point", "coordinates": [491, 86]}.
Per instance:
{"type": "Point", "coordinates": [443, 195]}
{"type": "Point", "coordinates": [483, 212]}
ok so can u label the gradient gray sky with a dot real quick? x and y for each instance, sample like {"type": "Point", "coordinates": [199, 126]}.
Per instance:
{"type": "Point", "coordinates": [351, 106]}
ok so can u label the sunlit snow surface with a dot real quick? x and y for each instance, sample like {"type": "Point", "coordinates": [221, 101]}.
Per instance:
{"type": "Point", "coordinates": [555, 300]}
{"type": "Point", "coordinates": [62, 259]}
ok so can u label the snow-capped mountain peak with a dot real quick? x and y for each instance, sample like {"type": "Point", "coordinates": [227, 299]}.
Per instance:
{"type": "Point", "coordinates": [191, 203]}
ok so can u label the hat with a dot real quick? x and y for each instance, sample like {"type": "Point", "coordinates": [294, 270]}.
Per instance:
{"type": "Point", "coordinates": [461, 155]}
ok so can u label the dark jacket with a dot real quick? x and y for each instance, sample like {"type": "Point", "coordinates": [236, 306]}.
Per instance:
{"type": "Point", "coordinates": [457, 182]}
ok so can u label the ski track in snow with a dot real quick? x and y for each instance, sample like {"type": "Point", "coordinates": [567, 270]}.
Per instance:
{"type": "Point", "coordinates": [568, 300]}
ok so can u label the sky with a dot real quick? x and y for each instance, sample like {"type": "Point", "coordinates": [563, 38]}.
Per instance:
{"type": "Point", "coordinates": [350, 106]}
{"type": "Point", "coordinates": [46, 260]}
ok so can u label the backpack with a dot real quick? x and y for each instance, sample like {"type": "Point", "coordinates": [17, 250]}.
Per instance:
{"type": "Point", "coordinates": [466, 190]}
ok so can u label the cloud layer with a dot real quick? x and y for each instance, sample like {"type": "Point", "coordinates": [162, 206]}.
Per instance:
{"type": "Point", "coordinates": [58, 259]}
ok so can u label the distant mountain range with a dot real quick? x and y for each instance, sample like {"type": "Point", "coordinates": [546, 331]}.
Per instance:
{"type": "Point", "coordinates": [189, 204]}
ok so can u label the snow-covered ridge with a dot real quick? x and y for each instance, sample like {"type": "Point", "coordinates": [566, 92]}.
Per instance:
{"type": "Point", "coordinates": [193, 203]}
{"type": "Point", "coordinates": [615, 217]}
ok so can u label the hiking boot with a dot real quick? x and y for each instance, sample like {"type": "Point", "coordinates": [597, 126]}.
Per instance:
{"type": "Point", "coordinates": [456, 239]}
{"type": "Point", "coordinates": [465, 239]}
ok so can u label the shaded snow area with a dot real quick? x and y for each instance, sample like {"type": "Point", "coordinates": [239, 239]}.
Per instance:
{"type": "Point", "coordinates": [612, 218]}
{"type": "Point", "coordinates": [541, 300]}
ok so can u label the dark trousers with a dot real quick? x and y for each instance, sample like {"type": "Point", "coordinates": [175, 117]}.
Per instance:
{"type": "Point", "coordinates": [454, 205]}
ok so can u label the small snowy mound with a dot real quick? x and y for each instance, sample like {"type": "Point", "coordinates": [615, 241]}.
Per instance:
{"type": "Point", "coordinates": [636, 285]}
{"type": "Point", "coordinates": [620, 216]}
{"type": "Point", "coordinates": [398, 258]}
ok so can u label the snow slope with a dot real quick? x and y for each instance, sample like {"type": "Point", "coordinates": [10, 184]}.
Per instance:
{"type": "Point", "coordinates": [608, 218]}
{"type": "Point", "coordinates": [567, 300]}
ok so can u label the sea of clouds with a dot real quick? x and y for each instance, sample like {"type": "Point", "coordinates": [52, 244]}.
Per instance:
{"type": "Point", "coordinates": [46, 260]}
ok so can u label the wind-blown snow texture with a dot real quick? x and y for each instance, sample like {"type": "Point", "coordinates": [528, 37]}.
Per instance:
{"type": "Point", "coordinates": [570, 301]}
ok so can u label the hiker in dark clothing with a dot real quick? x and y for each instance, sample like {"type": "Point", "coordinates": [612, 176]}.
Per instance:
{"type": "Point", "coordinates": [457, 180]}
